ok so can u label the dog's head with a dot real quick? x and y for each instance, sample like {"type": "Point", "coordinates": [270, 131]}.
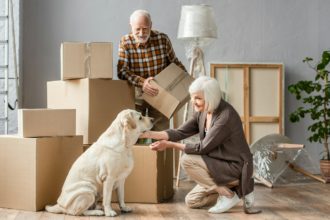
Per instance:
{"type": "Point", "coordinates": [125, 130]}
{"type": "Point", "coordinates": [134, 121]}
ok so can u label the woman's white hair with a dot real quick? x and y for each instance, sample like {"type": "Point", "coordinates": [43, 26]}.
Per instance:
{"type": "Point", "coordinates": [138, 13]}
{"type": "Point", "coordinates": [211, 89]}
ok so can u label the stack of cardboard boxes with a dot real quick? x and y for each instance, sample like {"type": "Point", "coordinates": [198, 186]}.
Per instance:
{"type": "Point", "coordinates": [86, 85]}
{"type": "Point", "coordinates": [35, 162]}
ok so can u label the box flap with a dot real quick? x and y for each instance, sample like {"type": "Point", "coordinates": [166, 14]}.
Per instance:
{"type": "Point", "coordinates": [164, 102]}
{"type": "Point", "coordinates": [175, 81]}
{"type": "Point", "coordinates": [173, 84]}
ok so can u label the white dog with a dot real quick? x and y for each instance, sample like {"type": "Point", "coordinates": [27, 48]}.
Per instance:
{"type": "Point", "coordinates": [103, 168]}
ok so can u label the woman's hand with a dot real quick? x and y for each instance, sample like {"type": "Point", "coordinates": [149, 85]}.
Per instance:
{"type": "Point", "coordinates": [160, 145]}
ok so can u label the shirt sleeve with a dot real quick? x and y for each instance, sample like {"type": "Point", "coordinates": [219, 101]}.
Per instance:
{"type": "Point", "coordinates": [123, 70]}
{"type": "Point", "coordinates": [171, 54]}
{"type": "Point", "coordinates": [186, 130]}
{"type": "Point", "coordinates": [214, 138]}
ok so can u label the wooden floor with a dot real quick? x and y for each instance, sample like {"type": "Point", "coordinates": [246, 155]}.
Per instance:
{"type": "Point", "coordinates": [301, 201]}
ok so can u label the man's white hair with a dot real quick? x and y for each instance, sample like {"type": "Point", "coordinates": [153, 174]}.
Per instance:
{"type": "Point", "coordinates": [211, 89]}
{"type": "Point", "coordinates": [138, 13]}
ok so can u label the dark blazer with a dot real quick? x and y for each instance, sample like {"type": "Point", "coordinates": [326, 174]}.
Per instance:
{"type": "Point", "coordinates": [223, 148]}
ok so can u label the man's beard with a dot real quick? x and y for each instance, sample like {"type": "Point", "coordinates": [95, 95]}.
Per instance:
{"type": "Point", "coordinates": [143, 39]}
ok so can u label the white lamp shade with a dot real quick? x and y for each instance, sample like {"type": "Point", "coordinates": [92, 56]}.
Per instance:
{"type": "Point", "coordinates": [197, 21]}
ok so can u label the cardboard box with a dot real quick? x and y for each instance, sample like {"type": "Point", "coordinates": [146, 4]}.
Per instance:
{"type": "Point", "coordinates": [97, 102]}
{"type": "Point", "coordinates": [173, 84]}
{"type": "Point", "coordinates": [86, 146]}
{"type": "Point", "coordinates": [151, 180]}
{"type": "Point", "coordinates": [46, 122]}
{"type": "Point", "coordinates": [86, 60]}
{"type": "Point", "coordinates": [33, 170]}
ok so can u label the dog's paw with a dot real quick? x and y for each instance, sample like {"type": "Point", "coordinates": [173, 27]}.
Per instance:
{"type": "Point", "coordinates": [110, 213]}
{"type": "Point", "coordinates": [93, 213]}
{"type": "Point", "coordinates": [126, 209]}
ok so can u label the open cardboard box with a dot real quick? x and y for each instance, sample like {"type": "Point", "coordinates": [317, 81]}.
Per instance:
{"type": "Point", "coordinates": [173, 84]}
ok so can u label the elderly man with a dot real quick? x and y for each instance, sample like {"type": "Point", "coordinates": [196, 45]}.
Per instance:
{"type": "Point", "coordinates": [143, 54]}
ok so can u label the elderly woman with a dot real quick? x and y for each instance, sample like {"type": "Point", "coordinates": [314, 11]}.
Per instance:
{"type": "Point", "coordinates": [221, 163]}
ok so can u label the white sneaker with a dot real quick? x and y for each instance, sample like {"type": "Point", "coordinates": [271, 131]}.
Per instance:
{"type": "Point", "coordinates": [224, 204]}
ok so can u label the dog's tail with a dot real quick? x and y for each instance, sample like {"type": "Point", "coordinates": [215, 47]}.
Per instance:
{"type": "Point", "coordinates": [54, 209]}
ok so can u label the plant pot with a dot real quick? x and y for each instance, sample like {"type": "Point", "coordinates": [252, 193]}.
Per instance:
{"type": "Point", "coordinates": [325, 170]}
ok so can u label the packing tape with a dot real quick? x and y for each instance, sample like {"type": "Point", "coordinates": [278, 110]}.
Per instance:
{"type": "Point", "coordinates": [87, 61]}
{"type": "Point", "coordinates": [175, 82]}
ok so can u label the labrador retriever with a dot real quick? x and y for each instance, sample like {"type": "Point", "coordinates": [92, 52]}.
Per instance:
{"type": "Point", "coordinates": [102, 168]}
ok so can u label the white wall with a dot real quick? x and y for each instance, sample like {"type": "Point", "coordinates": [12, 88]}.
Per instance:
{"type": "Point", "coordinates": [249, 31]}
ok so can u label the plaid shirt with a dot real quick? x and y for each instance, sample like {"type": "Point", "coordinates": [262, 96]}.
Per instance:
{"type": "Point", "coordinates": [137, 62]}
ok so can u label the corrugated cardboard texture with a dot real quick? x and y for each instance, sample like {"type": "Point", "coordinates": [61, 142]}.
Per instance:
{"type": "Point", "coordinates": [33, 170]}
{"type": "Point", "coordinates": [97, 101]}
{"type": "Point", "coordinates": [174, 93]}
{"type": "Point", "coordinates": [46, 122]}
{"type": "Point", "coordinates": [72, 60]}
{"type": "Point", "coordinates": [165, 102]}
{"type": "Point", "coordinates": [86, 60]}
{"type": "Point", "coordinates": [101, 60]}
{"type": "Point", "coordinates": [151, 180]}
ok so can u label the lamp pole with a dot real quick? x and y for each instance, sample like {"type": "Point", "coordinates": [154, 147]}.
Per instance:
{"type": "Point", "coordinates": [196, 27]}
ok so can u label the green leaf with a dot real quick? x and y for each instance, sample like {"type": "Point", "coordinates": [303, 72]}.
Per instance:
{"type": "Point", "coordinates": [307, 59]}
{"type": "Point", "coordinates": [292, 89]}
{"type": "Point", "coordinates": [315, 96]}
{"type": "Point", "coordinates": [325, 58]}
{"type": "Point", "coordinates": [320, 66]}
{"type": "Point", "coordinates": [315, 137]}
{"type": "Point", "coordinates": [294, 117]}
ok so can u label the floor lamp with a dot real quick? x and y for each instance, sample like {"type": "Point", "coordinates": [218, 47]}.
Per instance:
{"type": "Point", "coordinates": [197, 29]}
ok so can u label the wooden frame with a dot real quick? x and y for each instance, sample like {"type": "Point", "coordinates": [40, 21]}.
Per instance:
{"type": "Point", "coordinates": [259, 83]}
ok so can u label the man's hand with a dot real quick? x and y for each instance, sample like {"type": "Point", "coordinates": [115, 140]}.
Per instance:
{"type": "Point", "coordinates": [148, 89]}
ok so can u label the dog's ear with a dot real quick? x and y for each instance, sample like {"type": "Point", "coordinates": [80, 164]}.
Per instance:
{"type": "Point", "coordinates": [129, 121]}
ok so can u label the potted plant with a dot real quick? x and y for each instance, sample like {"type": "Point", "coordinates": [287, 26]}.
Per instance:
{"type": "Point", "coordinates": [315, 96]}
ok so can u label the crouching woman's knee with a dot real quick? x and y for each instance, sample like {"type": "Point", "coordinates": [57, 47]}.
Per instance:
{"type": "Point", "coordinates": [186, 161]}
{"type": "Point", "coordinates": [195, 202]}
{"type": "Point", "coordinates": [192, 202]}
